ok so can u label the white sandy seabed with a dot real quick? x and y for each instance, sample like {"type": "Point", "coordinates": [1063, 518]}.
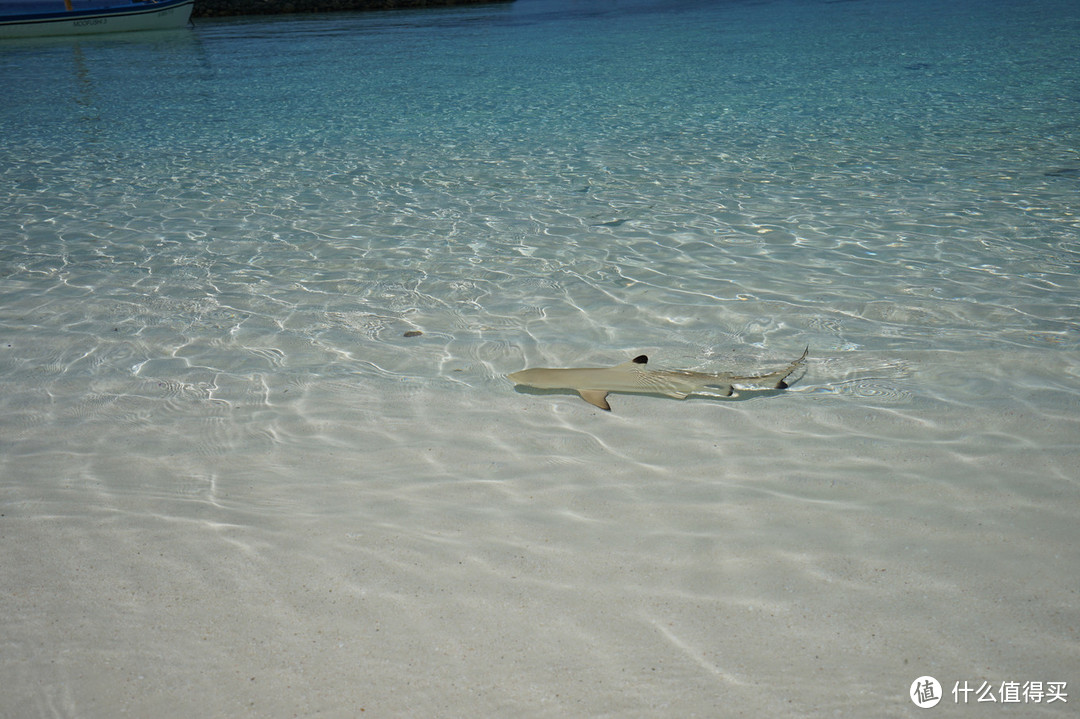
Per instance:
{"type": "Point", "coordinates": [402, 545]}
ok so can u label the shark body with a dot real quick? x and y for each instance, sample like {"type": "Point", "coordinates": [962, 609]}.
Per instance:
{"type": "Point", "coordinates": [634, 377]}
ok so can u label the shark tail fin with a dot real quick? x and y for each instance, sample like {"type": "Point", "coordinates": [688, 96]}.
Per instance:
{"type": "Point", "coordinates": [774, 380]}
{"type": "Point", "coordinates": [780, 383]}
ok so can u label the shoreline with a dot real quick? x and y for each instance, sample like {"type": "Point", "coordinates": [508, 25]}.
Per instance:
{"type": "Point", "coordinates": [230, 8]}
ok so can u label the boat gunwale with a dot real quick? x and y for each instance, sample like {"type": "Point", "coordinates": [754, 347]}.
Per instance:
{"type": "Point", "coordinates": [136, 7]}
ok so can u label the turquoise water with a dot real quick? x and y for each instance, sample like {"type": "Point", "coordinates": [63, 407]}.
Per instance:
{"type": "Point", "coordinates": [213, 242]}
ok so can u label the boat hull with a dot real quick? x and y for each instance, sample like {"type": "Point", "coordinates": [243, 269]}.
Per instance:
{"type": "Point", "coordinates": [163, 15]}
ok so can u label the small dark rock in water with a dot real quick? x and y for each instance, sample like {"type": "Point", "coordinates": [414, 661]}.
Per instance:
{"type": "Point", "coordinates": [413, 333]}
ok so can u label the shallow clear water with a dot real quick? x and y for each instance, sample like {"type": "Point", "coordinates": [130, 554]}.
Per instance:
{"type": "Point", "coordinates": [212, 244]}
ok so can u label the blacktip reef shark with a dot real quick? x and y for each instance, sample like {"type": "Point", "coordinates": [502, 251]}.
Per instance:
{"type": "Point", "coordinates": [634, 377]}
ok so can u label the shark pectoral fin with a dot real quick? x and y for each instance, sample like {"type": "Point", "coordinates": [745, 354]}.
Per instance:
{"type": "Point", "coordinates": [597, 397]}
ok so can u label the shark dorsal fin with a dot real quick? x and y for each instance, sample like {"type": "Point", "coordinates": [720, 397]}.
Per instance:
{"type": "Point", "coordinates": [635, 363]}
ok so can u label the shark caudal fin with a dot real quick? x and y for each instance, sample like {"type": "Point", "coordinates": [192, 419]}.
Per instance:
{"type": "Point", "coordinates": [780, 383]}
{"type": "Point", "coordinates": [773, 380]}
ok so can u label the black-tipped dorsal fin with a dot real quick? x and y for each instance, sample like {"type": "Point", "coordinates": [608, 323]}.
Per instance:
{"type": "Point", "coordinates": [636, 363]}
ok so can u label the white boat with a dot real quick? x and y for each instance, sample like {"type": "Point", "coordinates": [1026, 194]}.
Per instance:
{"type": "Point", "coordinates": [125, 17]}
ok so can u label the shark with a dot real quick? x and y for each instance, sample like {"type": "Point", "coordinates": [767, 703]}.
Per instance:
{"type": "Point", "coordinates": [635, 377]}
